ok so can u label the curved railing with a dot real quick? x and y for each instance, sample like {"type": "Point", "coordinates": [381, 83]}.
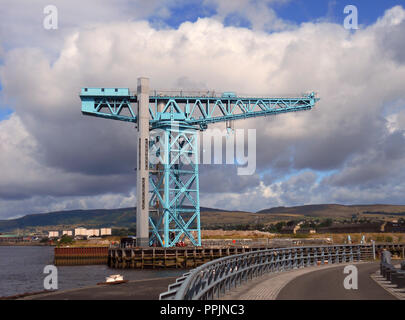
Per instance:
{"type": "Point", "coordinates": [214, 278]}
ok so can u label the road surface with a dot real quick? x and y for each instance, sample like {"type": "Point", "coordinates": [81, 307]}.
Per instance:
{"type": "Point", "coordinates": [328, 285]}
{"type": "Point", "coordinates": [148, 289]}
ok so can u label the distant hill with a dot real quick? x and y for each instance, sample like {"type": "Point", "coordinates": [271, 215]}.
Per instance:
{"type": "Point", "coordinates": [210, 217]}
{"type": "Point", "coordinates": [335, 210]}
{"type": "Point", "coordinates": [97, 218]}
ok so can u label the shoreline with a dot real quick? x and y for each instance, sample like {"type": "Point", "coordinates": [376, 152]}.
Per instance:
{"type": "Point", "coordinates": [25, 244]}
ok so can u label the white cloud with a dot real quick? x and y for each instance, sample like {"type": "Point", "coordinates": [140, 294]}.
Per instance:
{"type": "Point", "coordinates": [392, 17]}
{"type": "Point", "coordinates": [57, 152]}
{"type": "Point", "coordinates": [259, 14]}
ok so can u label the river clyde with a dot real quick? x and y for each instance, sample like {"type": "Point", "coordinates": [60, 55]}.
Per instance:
{"type": "Point", "coordinates": [22, 270]}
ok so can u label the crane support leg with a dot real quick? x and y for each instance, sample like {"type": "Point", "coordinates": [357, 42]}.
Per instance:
{"type": "Point", "coordinates": [175, 203]}
{"type": "Point", "coordinates": [142, 184]}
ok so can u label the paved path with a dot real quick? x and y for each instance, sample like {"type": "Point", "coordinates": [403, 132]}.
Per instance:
{"type": "Point", "coordinates": [313, 283]}
{"type": "Point", "coordinates": [148, 289]}
{"type": "Point", "coordinates": [328, 285]}
{"type": "Point", "coordinates": [268, 286]}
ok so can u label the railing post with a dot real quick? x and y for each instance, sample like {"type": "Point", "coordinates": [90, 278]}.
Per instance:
{"type": "Point", "coordinates": [329, 256]}
{"type": "Point", "coordinates": [308, 254]}
{"type": "Point", "coordinates": [316, 257]}
{"type": "Point", "coordinates": [301, 258]}
{"type": "Point", "coordinates": [373, 249]}
{"type": "Point", "coordinates": [295, 264]}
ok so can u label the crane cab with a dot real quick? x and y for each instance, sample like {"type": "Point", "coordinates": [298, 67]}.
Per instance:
{"type": "Point", "coordinates": [229, 95]}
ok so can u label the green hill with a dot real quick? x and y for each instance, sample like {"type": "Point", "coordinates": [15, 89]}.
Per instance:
{"type": "Point", "coordinates": [335, 210]}
{"type": "Point", "coordinates": [97, 218]}
{"type": "Point", "coordinates": [126, 217]}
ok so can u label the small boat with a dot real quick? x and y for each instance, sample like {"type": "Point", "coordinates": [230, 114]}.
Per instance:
{"type": "Point", "coordinates": [113, 279]}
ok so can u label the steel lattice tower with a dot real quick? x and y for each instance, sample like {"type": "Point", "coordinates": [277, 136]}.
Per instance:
{"type": "Point", "coordinates": [168, 125]}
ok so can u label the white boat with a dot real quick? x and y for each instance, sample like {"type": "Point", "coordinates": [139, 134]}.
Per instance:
{"type": "Point", "coordinates": [114, 278]}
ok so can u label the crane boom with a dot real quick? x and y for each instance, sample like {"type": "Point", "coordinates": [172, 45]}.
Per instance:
{"type": "Point", "coordinates": [118, 104]}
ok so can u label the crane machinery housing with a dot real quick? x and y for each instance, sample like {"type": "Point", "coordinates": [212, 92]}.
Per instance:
{"type": "Point", "coordinates": [168, 125]}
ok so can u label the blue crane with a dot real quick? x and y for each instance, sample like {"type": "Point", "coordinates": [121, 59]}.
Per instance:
{"type": "Point", "coordinates": [168, 123]}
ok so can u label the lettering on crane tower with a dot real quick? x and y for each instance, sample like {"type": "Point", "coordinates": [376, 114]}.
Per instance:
{"type": "Point", "coordinates": [146, 154]}
{"type": "Point", "coordinates": [143, 193]}
{"type": "Point", "coordinates": [139, 154]}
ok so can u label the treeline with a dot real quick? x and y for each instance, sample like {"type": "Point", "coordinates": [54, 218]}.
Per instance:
{"type": "Point", "coordinates": [385, 213]}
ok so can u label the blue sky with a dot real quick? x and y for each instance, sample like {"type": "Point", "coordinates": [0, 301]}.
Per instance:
{"type": "Point", "coordinates": [309, 10]}
{"type": "Point", "coordinates": [5, 111]}
{"type": "Point", "coordinates": [296, 11]}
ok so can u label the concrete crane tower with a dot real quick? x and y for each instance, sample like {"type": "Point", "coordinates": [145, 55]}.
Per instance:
{"type": "Point", "coordinates": [168, 201]}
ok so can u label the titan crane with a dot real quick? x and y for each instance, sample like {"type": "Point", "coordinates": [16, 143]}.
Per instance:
{"type": "Point", "coordinates": [168, 124]}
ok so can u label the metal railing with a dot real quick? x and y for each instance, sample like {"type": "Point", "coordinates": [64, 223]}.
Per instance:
{"type": "Point", "coordinates": [214, 278]}
{"type": "Point", "coordinates": [218, 94]}
{"type": "Point", "coordinates": [266, 242]}
{"type": "Point", "coordinates": [390, 272]}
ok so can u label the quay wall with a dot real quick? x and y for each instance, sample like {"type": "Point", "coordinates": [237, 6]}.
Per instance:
{"type": "Point", "coordinates": [177, 257]}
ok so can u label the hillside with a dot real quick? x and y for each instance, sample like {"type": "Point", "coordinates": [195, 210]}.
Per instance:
{"type": "Point", "coordinates": [97, 218]}
{"type": "Point", "coordinates": [335, 210]}
{"type": "Point", "coordinates": [126, 217]}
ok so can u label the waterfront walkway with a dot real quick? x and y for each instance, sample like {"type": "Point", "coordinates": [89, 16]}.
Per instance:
{"type": "Point", "coordinates": [148, 289]}
{"type": "Point", "coordinates": [328, 285]}
{"type": "Point", "coordinates": [312, 283]}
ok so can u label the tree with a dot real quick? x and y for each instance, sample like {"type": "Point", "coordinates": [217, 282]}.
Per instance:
{"type": "Point", "coordinates": [65, 239]}
{"type": "Point", "coordinates": [327, 223]}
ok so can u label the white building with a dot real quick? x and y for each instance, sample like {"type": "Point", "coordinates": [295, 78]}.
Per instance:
{"type": "Point", "coordinates": [53, 234]}
{"type": "Point", "coordinates": [93, 232]}
{"type": "Point", "coordinates": [80, 232]}
{"type": "Point", "coordinates": [105, 231]}
{"type": "Point", "coordinates": [67, 232]}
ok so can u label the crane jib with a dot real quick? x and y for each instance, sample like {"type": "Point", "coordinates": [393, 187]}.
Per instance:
{"type": "Point", "coordinates": [120, 104]}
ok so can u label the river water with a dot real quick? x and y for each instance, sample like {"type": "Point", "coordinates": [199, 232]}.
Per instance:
{"type": "Point", "coordinates": [22, 270]}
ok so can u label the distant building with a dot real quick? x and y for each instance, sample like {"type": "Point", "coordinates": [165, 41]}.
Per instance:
{"type": "Point", "coordinates": [67, 232]}
{"type": "Point", "coordinates": [394, 227]}
{"type": "Point", "coordinates": [306, 231]}
{"type": "Point", "coordinates": [10, 238]}
{"type": "Point", "coordinates": [83, 232]}
{"type": "Point", "coordinates": [93, 232]}
{"type": "Point", "coordinates": [105, 232]}
{"type": "Point", "coordinates": [53, 234]}
{"type": "Point", "coordinates": [288, 230]}
{"type": "Point", "coordinates": [80, 232]}
{"type": "Point", "coordinates": [352, 228]}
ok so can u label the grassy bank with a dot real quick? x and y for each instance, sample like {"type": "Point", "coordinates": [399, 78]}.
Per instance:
{"type": "Point", "coordinates": [336, 237]}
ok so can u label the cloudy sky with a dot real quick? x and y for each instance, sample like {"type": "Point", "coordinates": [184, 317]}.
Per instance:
{"type": "Point", "coordinates": [350, 149]}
